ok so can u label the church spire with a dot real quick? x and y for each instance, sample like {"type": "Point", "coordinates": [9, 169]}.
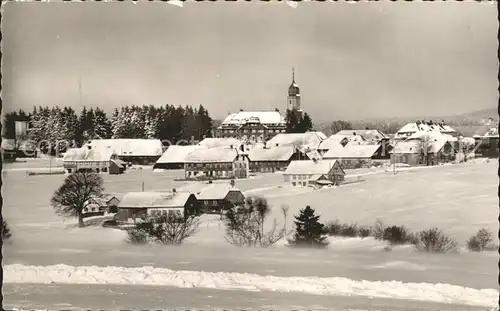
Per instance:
{"type": "Point", "coordinates": [293, 75]}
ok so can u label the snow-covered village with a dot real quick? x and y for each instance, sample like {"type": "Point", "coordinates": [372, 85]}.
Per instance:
{"type": "Point", "coordinates": [203, 182]}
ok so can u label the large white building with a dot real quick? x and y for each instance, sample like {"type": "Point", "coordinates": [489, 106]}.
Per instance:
{"type": "Point", "coordinates": [260, 125]}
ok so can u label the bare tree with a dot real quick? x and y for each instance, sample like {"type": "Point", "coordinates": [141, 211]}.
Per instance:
{"type": "Point", "coordinates": [75, 194]}
{"type": "Point", "coordinates": [165, 229]}
{"type": "Point", "coordinates": [5, 231]}
{"type": "Point", "coordinates": [245, 225]}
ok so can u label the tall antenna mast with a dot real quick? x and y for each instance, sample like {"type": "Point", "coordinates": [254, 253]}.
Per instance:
{"type": "Point", "coordinates": [80, 90]}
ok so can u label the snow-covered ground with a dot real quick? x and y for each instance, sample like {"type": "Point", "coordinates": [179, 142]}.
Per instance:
{"type": "Point", "coordinates": [456, 198]}
{"type": "Point", "coordinates": [334, 286]}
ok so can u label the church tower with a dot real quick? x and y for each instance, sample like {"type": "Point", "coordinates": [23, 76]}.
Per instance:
{"type": "Point", "coordinates": [293, 99]}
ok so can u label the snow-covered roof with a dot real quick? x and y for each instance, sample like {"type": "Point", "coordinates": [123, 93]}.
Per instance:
{"type": "Point", "coordinates": [310, 167]}
{"type": "Point", "coordinates": [154, 199]}
{"type": "Point", "coordinates": [276, 153]}
{"type": "Point", "coordinates": [264, 117]}
{"type": "Point", "coordinates": [219, 142]}
{"type": "Point", "coordinates": [212, 155]}
{"type": "Point", "coordinates": [371, 135]}
{"type": "Point", "coordinates": [432, 135]}
{"type": "Point", "coordinates": [414, 127]}
{"type": "Point", "coordinates": [176, 153]}
{"type": "Point", "coordinates": [130, 147]}
{"type": "Point", "coordinates": [486, 131]}
{"type": "Point", "coordinates": [331, 142]}
{"type": "Point", "coordinates": [86, 154]}
{"type": "Point", "coordinates": [351, 151]}
{"type": "Point", "coordinates": [216, 191]}
{"type": "Point", "coordinates": [308, 139]}
{"type": "Point", "coordinates": [413, 146]}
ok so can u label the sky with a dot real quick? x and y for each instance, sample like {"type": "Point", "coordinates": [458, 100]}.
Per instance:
{"type": "Point", "coordinates": [352, 60]}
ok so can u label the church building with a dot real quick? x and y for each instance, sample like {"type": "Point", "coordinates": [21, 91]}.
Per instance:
{"type": "Point", "coordinates": [260, 125]}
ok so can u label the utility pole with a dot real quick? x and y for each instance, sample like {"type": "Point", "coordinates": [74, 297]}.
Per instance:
{"type": "Point", "coordinates": [143, 186]}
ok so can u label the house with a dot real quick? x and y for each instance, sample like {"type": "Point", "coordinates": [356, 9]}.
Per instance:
{"type": "Point", "coordinates": [92, 159]}
{"type": "Point", "coordinates": [310, 140]}
{"type": "Point", "coordinates": [174, 157]}
{"type": "Point", "coordinates": [358, 156]}
{"type": "Point", "coordinates": [367, 135]}
{"type": "Point", "coordinates": [304, 173]}
{"type": "Point", "coordinates": [136, 205]}
{"type": "Point", "coordinates": [219, 197]}
{"type": "Point", "coordinates": [252, 125]}
{"type": "Point", "coordinates": [137, 151]}
{"type": "Point", "coordinates": [332, 142]}
{"type": "Point", "coordinates": [423, 152]}
{"type": "Point", "coordinates": [274, 158]}
{"type": "Point", "coordinates": [219, 142]}
{"type": "Point", "coordinates": [423, 126]}
{"type": "Point", "coordinates": [487, 141]}
{"type": "Point", "coordinates": [216, 163]}
{"type": "Point", "coordinates": [101, 206]}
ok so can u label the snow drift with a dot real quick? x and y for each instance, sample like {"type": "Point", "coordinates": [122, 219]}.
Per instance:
{"type": "Point", "coordinates": [441, 293]}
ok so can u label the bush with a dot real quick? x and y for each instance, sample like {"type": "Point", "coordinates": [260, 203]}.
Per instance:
{"type": "Point", "coordinates": [481, 241]}
{"type": "Point", "coordinates": [365, 232]}
{"type": "Point", "coordinates": [137, 236]}
{"type": "Point", "coordinates": [350, 231]}
{"type": "Point", "coordinates": [435, 241]}
{"type": "Point", "coordinates": [5, 231]}
{"type": "Point", "coordinates": [333, 228]}
{"type": "Point", "coordinates": [397, 235]}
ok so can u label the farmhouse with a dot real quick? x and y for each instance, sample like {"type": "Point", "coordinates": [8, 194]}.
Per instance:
{"type": "Point", "coordinates": [101, 205]}
{"type": "Point", "coordinates": [218, 197]}
{"type": "Point", "coordinates": [487, 141]}
{"type": "Point", "coordinates": [422, 126]}
{"type": "Point", "coordinates": [277, 158]}
{"type": "Point", "coordinates": [313, 172]}
{"type": "Point", "coordinates": [174, 157]}
{"type": "Point", "coordinates": [137, 151]}
{"type": "Point", "coordinates": [216, 163]}
{"type": "Point", "coordinates": [136, 205]}
{"type": "Point", "coordinates": [92, 159]}
{"type": "Point", "coordinates": [308, 140]}
{"type": "Point", "coordinates": [358, 156]}
{"type": "Point", "coordinates": [423, 152]}
{"type": "Point", "coordinates": [252, 125]}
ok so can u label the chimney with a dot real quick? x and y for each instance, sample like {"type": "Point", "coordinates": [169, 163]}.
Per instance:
{"type": "Point", "coordinates": [277, 144]}
{"type": "Point", "coordinates": [231, 146]}
{"type": "Point", "coordinates": [241, 109]}
{"type": "Point", "coordinates": [174, 190]}
{"type": "Point", "coordinates": [276, 109]}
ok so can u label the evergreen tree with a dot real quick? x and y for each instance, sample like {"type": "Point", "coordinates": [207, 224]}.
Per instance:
{"type": "Point", "coordinates": [102, 126]}
{"type": "Point", "coordinates": [305, 124]}
{"type": "Point", "coordinates": [309, 231]}
{"type": "Point", "coordinates": [292, 121]}
{"type": "Point", "coordinates": [204, 123]}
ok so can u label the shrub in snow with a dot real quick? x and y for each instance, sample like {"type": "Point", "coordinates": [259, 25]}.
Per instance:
{"type": "Point", "coordinates": [137, 236]}
{"type": "Point", "coordinates": [350, 231]}
{"type": "Point", "coordinates": [245, 225]}
{"type": "Point", "coordinates": [333, 228]}
{"type": "Point", "coordinates": [164, 229]}
{"type": "Point", "coordinates": [482, 240]}
{"type": "Point", "coordinates": [398, 235]}
{"type": "Point", "coordinates": [435, 241]}
{"type": "Point", "coordinates": [6, 234]}
{"type": "Point", "coordinates": [309, 231]}
{"type": "Point", "coordinates": [365, 232]}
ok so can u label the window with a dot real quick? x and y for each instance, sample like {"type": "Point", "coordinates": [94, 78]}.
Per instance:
{"type": "Point", "coordinates": [294, 183]}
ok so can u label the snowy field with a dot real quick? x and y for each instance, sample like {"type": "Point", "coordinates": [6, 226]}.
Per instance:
{"type": "Point", "coordinates": [456, 198]}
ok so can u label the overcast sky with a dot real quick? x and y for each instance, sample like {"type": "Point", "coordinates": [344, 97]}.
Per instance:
{"type": "Point", "coordinates": [352, 60]}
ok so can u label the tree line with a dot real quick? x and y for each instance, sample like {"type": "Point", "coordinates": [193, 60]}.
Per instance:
{"type": "Point", "coordinates": [49, 125]}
